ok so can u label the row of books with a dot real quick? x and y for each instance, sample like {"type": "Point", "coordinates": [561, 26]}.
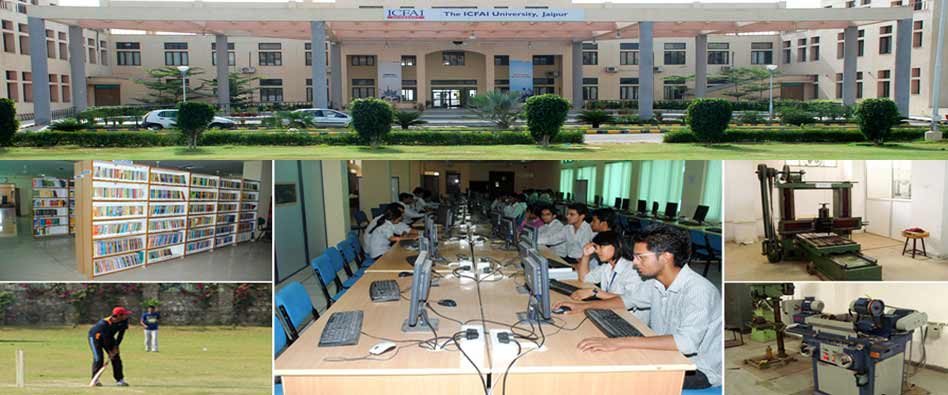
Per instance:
{"type": "Point", "coordinates": [195, 222]}
{"type": "Point", "coordinates": [118, 193]}
{"type": "Point", "coordinates": [227, 218]}
{"type": "Point", "coordinates": [117, 228]}
{"type": "Point", "coordinates": [232, 195]}
{"type": "Point", "coordinates": [161, 254]}
{"type": "Point", "coordinates": [244, 227]}
{"type": "Point", "coordinates": [230, 184]}
{"type": "Point", "coordinates": [51, 230]}
{"type": "Point", "coordinates": [167, 209]}
{"type": "Point", "coordinates": [247, 216]}
{"type": "Point", "coordinates": [165, 239]}
{"type": "Point", "coordinates": [198, 208]}
{"type": "Point", "coordinates": [228, 239]}
{"type": "Point", "coordinates": [50, 183]}
{"type": "Point", "coordinates": [225, 207]}
{"type": "Point", "coordinates": [105, 265]}
{"type": "Point", "coordinates": [194, 234]}
{"type": "Point", "coordinates": [203, 195]}
{"type": "Point", "coordinates": [167, 194]}
{"type": "Point", "coordinates": [49, 212]}
{"type": "Point", "coordinates": [251, 186]}
{"type": "Point", "coordinates": [199, 181]}
{"type": "Point", "coordinates": [50, 221]}
{"type": "Point", "coordinates": [248, 196]}
{"type": "Point", "coordinates": [198, 245]}
{"type": "Point", "coordinates": [45, 203]}
{"type": "Point", "coordinates": [165, 225]}
{"type": "Point", "coordinates": [248, 206]}
{"type": "Point", "coordinates": [165, 178]}
{"type": "Point", "coordinates": [118, 211]}
{"type": "Point", "coordinates": [116, 246]}
{"type": "Point", "coordinates": [51, 193]}
{"type": "Point", "coordinates": [116, 173]}
{"type": "Point", "coordinates": [224, 229]}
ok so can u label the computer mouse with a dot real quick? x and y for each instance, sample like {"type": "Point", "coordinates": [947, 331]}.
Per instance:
{"type": "Point", "coordinates": [448, 303]}
{"type": "Point", "coordinates": [562, 310]}
{"type": "Point", "coordinates": [382, 348]}
{"type": "Point", "coordinates": [404, 274]}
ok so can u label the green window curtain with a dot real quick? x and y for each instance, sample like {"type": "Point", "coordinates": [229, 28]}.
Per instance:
{"type": "Point", "coordinates": [566, 181]}
{"type": "Point", "coordinates": [711, 195]}
{"type": "Point", "coordinates": [588, 173]}
{"type": "Point", "coordinates": [661, 181]}
{"type": "Point", "coordinates": [616, 182]}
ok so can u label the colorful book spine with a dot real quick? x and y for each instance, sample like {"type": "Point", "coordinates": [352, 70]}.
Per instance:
{"type": "Point", "coordinates": [198, 208]}
{"type": "Point", "coordinates": [167, 194]}
{"type": "Point", "coordinates": [117, 229]}
{"type": "Point", "coordinates": [51, 193]}
{"type": "Point", "coordinates": [247, 216]}
{"type": "Point", "coordinates": [244, 227]}
{"type": "Point", "coordinates": [196, 222]}
{"type": "Point", "coordinates": [230, 184]}
{"type": "Point", "coordinates": [229, 239]}
{"type": "Point", "coordinates": [170, 209]}
{"type": "Point", "coordinates": [118, 211]}
{"type": "Point", "coordinates": [227, 218]}
{"type": "Point", "coordinates": [251, 186]}
{"type": "Point", "coordinates": [225, 229]}
{"type": "Point", "coordinates": [47, 203]}
{"type": "Point", "coordinates": [166, 225]}
{"type": "Point", "coordinates": [118, 193]}
{"type": "Point", "coordinates": [199, 245]}
{"type": "Point", "coordinates": [200, 233]}
{"type": "Point", "coordinates": [52, 221]}
{"type": "Point", "coordinates": [198, 181]}
{"type": "Point", "coordinates": [137, 175]}
{"type": "Point", "coordinates": [114, 263]}
{"type": "Point", "coordinates": [165, 239]}
{"type": "Point", "coordinates": [49, 183]}
{"type": "Point", "coordinates": [203, 195]}
{"type": "Point", "coordinates": [225, 207]}
{"type": "Point", "coordinates": [232, 195]}
{"type": "Point", "coordinates": [248, 196]}
{"type": "Point", "coordinates": [47, 212]}
{"type": "Point", "coordinates": [161, 254]}
{"type": "Point", "coordinates": [248, 206]}
{"type": "Point", "coordinates": [165, 178]}
{"type": "Point", "coordinates": [110, 247]}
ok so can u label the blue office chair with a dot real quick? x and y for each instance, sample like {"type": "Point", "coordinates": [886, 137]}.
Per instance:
{"type": "Point", "coordinates": [297, 309]}
{"type": "Point", "coordinates": [279, 343]}
{"type": "Point", "coordinates": [714, 246]}
{"type": "Point", "coordinates": [349, 257]}
{"type": "Point", "coordinates": [376, 212]}
{"type": "Point", "coordinates": [360, 257]}
{"type": "Point", "coordinates": [361, 221]}
{"type": "Point", "coordinates": [706, 391]}
{"type": "Point", "coordinates": [339, 263]}
{"type": "Point", "coordinates": [327, 273]}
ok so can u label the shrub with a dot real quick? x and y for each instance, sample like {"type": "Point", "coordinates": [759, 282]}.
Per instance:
{"type": "Point", "coordinates": [67, 125]}
{"type": "Point", "coordinates": [8, 122]}
{"type": "Point", "coordinates": [595, 117]}
{"type": "Point", "coordinates": [294, 119]}
{"type": "Point", "coordinates": [813, 135]}
{"type": "Point", "coordinates": [876, 117]}
{"type": "Point", "coordinates": [708, 119]}
{"type": "Point", "coordinates": [193, 118]}
{"type": "Point", "coordinates": [680, 136]}
{"type": "Point", "coordinates": [627, 119]}
{"type": "Point", "coordinates": [406, 119]}
{"type": "Point", "coordinates": [545, 116]}
{"type": "Point", "coordinates": [795, 116]}
{"type": "Point", "coordinates": [751, 118]}
{"type": "Point", "coordinates": [502, 109]}
{"type": "Point", "coordinates": [372, 119]}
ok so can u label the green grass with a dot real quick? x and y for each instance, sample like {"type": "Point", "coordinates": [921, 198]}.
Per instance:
{"type": "Point", "coordinates": [58, 361]}
{"type": "Point", "coordinates": [919, 150]}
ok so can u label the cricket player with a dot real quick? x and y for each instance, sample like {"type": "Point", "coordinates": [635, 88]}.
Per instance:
{"type": "Point", "coordinates": [149, 321]}
{"type": "Point", "coordinates": [104, 340]}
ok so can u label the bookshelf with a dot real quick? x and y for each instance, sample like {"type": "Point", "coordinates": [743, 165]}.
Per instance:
{"type": "Point", "coordinates": [51, 206]}
{"type": "Point", "coordinates": [140, 215]}
{"type": "Point", "coordinates": [72, 206]}
{"type": "Point", "coordinates": [247, 219]}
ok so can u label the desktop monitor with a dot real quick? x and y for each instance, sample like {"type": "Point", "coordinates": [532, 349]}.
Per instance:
{"type": "Point", "coordinates": [537, 277]}
{"type": "Point", "coordinates": [654, 209]}
{"type": "Point", "coordinates": [420, 282]}
{"type": "Point", "coordinates": [561, 210]}
{"type": "Point", "coordinates": [618, 204]}
{"type": "Point", "coordinates": [700, 213]}
{"type": "Point", "coordinates": [509, 230]}
{"type": "Point", "coordinates": [625, 204]}
{"type": "Point", "coordinates": [597, 200]}
{"type": "Point", "coordinates": [496, 218]}
{"type": "Point", "coordinates": [569, 196]}
{"type": "Point", "coordinates": [431, 231]}
{"type": "Point", "coordinates": [641, 207]}
{"type": "Point", "coordinates": [671, 210]}
{"type": "Point", "coordinates": [530, 234]}
{"type": "Point", "coordinates": [559, 196]}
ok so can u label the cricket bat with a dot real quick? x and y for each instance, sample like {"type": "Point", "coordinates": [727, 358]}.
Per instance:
{"type": "Point", "coordinates": [101, 370]}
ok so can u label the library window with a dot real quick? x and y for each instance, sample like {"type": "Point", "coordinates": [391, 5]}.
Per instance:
{"type": "Point", "coordinates": [408, 60]}
{"type": "Point", "coordinates": [590, 54]}
{"type": "Point", "coordinates": [501, 60]}
{"type": "Point", "coordinates": [590, 89]}
{"type": "Point", "coordinates": [628, 88]}
{"type": "Point", "coordinates": [544, 60]}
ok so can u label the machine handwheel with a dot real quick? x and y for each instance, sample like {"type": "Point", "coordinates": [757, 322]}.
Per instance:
{"type": "Point", "coordinates": [774, 252]}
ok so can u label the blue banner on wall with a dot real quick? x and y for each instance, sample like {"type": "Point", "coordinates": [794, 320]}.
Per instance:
{"type": "Point", "coordinates": [521, 77]}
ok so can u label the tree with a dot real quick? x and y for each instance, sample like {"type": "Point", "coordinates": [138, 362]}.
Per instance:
{"type": "Point", "coordinates": [193, 118]}
{"type": "Point", "coordinates": [502, 109]}
{"type": "Point", "coordinates": [545, 116]}
{"type": "Point", "coordinates": [164, 85]}
{"type": "Point", "coordinates": [595, 117]}
{"type": "Point", "coordinates": [241, 93]}
{"type": "Point", "coordinates": [8, 122]}
{"type": "Point", "coordinates": [741, 78]}
{"type": "Point", "coordinates": [876, 117]}
{"type": "Point", "coordinates": [406, 119]}
{"type": "Point", "coordinates": [372, 119]}
{"type": "Point", "coordinates": [708, 119]}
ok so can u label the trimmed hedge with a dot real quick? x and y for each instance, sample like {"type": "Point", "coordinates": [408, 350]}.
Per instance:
{"type": "Point", "coordinates": [794, 136]}
{"type": "Point", "coordinates": [151, 139]}
{"type": "Point", "coordinates": [708, 119]}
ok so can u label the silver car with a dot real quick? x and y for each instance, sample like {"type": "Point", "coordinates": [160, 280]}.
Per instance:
{"type": "Point", "coordinates": [327, 117]}
{"type": "Point", "coordinates": [163, 119]}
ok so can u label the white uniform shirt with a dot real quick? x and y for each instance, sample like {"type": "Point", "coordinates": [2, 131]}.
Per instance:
{"type": "Point", "coordinates": [552, 235]}
{"type": "Point", "coordinates": [409, 212]}
{"type": "Point", "coordinates": [576, 239]}
{"type": "Point", "coordinates": [624, 281]}
{"type": "Point", "coordinates": [377, 241]}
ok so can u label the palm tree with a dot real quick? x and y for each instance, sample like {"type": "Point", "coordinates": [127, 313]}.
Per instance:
{"type": "Point", "coordinates": [500, 108]}
{"type": "Point", "coordinates": [406, 119]}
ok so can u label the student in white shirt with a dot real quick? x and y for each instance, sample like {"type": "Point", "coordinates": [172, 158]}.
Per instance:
{"type": "Point", "coordinates": [406, 200]}
{"type": "Point", "coordinates": [386, 230]}
{"type": "Point", "coordinates": [550, 234]}
{"type": "Point", "coordinates": [577, 232]}
{"type": "Point", "coordinates": [602, 221]}
{"type": "Point", "coordinates": [685, 307]}
{"type": "Point", "coordinates": [615, 276]}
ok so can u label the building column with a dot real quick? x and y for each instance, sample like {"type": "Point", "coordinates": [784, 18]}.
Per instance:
{"type": "Point", "coordinates": [646, 70]}
{"type": "Point", "coordinates": [903, 64]}
{"type": "Point", "coordinates": [318, 34]}
{"type": "Point", "coordinates": [223, 73]}
{"type": "Point", "coordinates": [850, 50]}
{"type": "Point", "coordinates": [77, 68]}
{"type": "Point", "coordinates": [489, 72]}
{"type": "Point", "coordinates": [421, 79]}
{"type": "Point", "coordinates": [335, 73]}
{"type": "Point", "coordinates": [39, 69]}
{"type": "Point", "coordinates": [577, 73]}
{"type": "Point", "coordinates": [701, 65]}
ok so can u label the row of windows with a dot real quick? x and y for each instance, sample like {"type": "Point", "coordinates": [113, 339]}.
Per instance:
{"type": "Point", "coordinates": [176, 54]}
{"type": "Point", "coordinates": [56, 43]}
{"type": "Point", "coordinates": [675, 54]}
{"type": "Point", "coordinates": [884, 83]}
{"type": "Point", "coordinates": [885, 44]}
{"type": "Point", "coordinates": [22, 82]}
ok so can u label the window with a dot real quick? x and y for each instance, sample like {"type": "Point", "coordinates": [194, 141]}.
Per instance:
{"type": "Point", "coordinates": [628, 88]}
{"type": "Point", "coordinates": [617, 181]}
{"type": "Point", "coordinates": [308, 54]}
{"type": "Point", "coordinates": [544, 60]}
{"type": "Point", "coordinates": [408, 60]}
{"type": "Point", "coordinates": [628, 54]}
{"type": "Point", "coordinates": [786, 52]}
{"type": "Point", "coordinates": [661, 181]}
{"type": "Point", "coordinates": [859, 85]}
{"type": "Point", "coordinates": [762, 53]}
{"type": "Point", "coordinates": [67, 95]}
{"type": "Point", "coordinates": [861, 43]}
{"type": "Point", "coordinates": [452, 58]}
{"type": "Point", "coordinates": [24, 38]}
{"type": "Point", "coordinates": [815, 49]}
{"type": "Point", "coordinates": [711, 193]}
{"type": "Point", "coordinates": [128, 54]}
{"type": "Point", "coordinates": [916, 34]}
{"type": "Point", "coordinates": [882, 89]}
{"type": "Point", "coordinates": [176, 54]}
{"type": "Point", "coordinates": [840, 45]}
{"type": "Point", "coordinates": [916, 81]}
{"type": "Point", "coordinates": [409, 93]}
{"type": "Point", "coordinates": [718, 53]}
{"type": "Point", "coordinates": [9, 39]}
{"type": "Point", "coordinates": [362, 60]}
{"type": "Point", "coordinates": [675, 89]}
{"type": "Point", "coordinates": [271, 90]}
{"type": "Point", "coordinates": [674, 53]}
{"type": "Point", "coordinates": [270, 54]}
{"type": "Point", "coordinates": [501, 60]}
{"type": "Point", "coordinates": [13, 92]}
{"type": "Point", "coordinates": [917, 5]}
{"type": "Point", "coordinates": [566, 181]}
{"type": "Point", "coordinates": [363, 88]}
{"type": "Point", "coordinates": [231, 55]}
{"type": "Point", "coordinates": [64, 51]}
{"type": "Point", "coordinates": [588, 173]}
{"type": "Point", "coordinates": [901, 179]}
{"type": "Point", "coordinates": [801, 50]}
{"type": "Point", "coordinates": [885, 40]}
{"type": "Point", "coordinates": [590, 54]}
{"type": "Point", "coordinates": [103, 53]}
{"type": "Point", "coordinates": [590, 89]}
{"type": "Point", "coordinates": [53, 89]}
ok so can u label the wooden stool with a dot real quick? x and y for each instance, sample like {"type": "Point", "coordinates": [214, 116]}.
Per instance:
{"type": "Point", "coordinates": [914, 236]}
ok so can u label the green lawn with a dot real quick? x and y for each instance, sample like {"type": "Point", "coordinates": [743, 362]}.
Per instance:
{"type": "Point", "coordinates": [919, 150]}
{"type": "Point", "coordinates": [58, 361]}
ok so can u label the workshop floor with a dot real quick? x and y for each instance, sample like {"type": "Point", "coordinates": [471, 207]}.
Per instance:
{"type": "Point", "coordinates": [745, 263]}
{"type": "Point", "coordinates": [796, 377]}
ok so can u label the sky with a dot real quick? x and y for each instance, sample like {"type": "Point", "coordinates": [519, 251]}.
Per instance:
{"type": "Point", "coordinates": [790, 3]}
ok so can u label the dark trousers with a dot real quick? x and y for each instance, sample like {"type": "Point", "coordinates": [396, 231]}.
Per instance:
{"type": "Point", "coordinates": [100, 353]}
{"type": "Point", "coordinates": [695, 380]}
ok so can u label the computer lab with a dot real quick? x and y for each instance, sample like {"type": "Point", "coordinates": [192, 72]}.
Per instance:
{"type": "Point", "coordinates": [498, 277]}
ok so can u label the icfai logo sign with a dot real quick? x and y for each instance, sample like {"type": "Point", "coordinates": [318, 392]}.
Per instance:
{"type": "Point", "coordinates": [405, 14]}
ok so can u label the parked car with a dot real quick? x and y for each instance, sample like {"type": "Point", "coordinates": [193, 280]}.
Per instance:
{"type": "Point", "coordinates": [161, 119]}
{"type": "Point", "coordinates": [327, 117]}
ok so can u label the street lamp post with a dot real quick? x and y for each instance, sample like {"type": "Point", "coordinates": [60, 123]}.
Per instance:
{"type": "Point", "coordinates": [771, 68]}
{"type": "Point", "coordinates": [184, 85]}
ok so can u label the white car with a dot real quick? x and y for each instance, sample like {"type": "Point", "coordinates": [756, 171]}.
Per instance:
{"type": "Point", "coordinates": [162, 119]}
{"type": "Point", "coordinates": [327, 117]}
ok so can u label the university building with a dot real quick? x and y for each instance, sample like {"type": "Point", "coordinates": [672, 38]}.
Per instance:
{"type": "Point", "coordinates": [436, 54]}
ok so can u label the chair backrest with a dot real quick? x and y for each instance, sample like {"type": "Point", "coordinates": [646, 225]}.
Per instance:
{"type": "Point", "coordinates": [714, 241]}
{"type": "Point", "coordinates": [361, 218]}
{"type": "Point", "coordinates": [697, 238]}
{"type": "Point", "coordinates": [335, 256]}
{"type": "Point", "coordinates": [324, 267]}
{"type": "Point", "coordinates": [279, 336]}
{"type": "Point", "coordinates": [294, 299]}
{"type": "Point", "coordinates": [345, 247]}
{"type": "Point", "coordinates": [376, 212]}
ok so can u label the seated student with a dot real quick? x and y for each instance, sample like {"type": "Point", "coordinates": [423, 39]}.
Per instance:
{"type": "Point", "coordinates": [517, 205]}
{"type": "Point", "coordinates": [550, 233]}
{"type": "Point", "coordinates": [685, 307]}
{"type": "Point", "coordinates": [386, 230]}
{"type": "Point", "coordinates": [577, 232]}
{"type": "Point", "coordinates": [406, 200]}
{"type": "Point", "coordinates": [498, 203]}
{"type": "Point", "coordinates": [615, 276]}
{"type": "Point", "coordinates": [602, 221]}
{"type": "Point", "coordinates": [419, 204]}
{"type": "Point", "coordinates": [531, 218]}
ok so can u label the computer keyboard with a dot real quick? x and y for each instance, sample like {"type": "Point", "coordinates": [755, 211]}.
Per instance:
{"type": "Point", "coordinates": [561, 287]}
{"type": "Point", "coordinates": [384, 291]}
{"type": "Point", "coordinates": [611, 324]}
{"type": "Point", "coordinates": [343, 329]}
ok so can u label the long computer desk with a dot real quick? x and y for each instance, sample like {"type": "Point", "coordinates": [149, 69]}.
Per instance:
{"type": "Point", "coordinates": [559, 367]}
